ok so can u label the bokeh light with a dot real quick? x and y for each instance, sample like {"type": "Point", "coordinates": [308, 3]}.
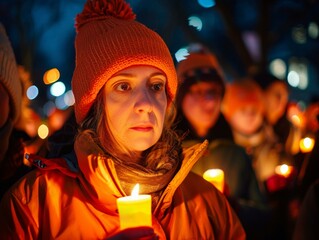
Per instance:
{"type": "Point", "coordinates": [306, 144]}
{"type": "Point", "coordinates": [298, 73]}
{"type": "Point", "coordinates": [278, 68]}
{"type": "Point", "coordinates": [313, 30]}
{"type": "Point", "coordinates": [207, 3]}
{"type": "Point", "coordinates": [195, 22]}
{"type": "Point", "coordinates": [181, 54]}
{"type": "Point", "coordinates": [32, 92]}
{"type": "Point", "coordinates": [284, 170]}
{"type": "Point", "coordinates": [57, 89]}
{"type": "Point", "coordinates": [293, 79]}
{"type": "Point", "coordinates": [43, 131]}
{"type": "Point", "coordinates": [60, 103]}
{"type": "Point", "coordinates": [51, 76]}
{"type": "Point", "coordinates": [69, 98]}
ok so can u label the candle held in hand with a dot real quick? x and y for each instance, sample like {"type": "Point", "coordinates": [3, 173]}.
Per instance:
{"type": "Point", "coordinates": [216, 177]}
{"type": "Point", "coordinates": [284, 170]}
{"type": "Point", "coordinates": [135, 210]}
{"type": "Point", "coordinates": [306, 144]}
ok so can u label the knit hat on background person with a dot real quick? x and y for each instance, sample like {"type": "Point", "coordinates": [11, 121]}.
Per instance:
{"type": "Point", "coordinates": [9, 75]}
{"type": "Point", "coordinates": [239, 93]}
{"type": "Point", "coordinates": [108, 40]}
{"type": "Point", "coordinates": [200, 65]}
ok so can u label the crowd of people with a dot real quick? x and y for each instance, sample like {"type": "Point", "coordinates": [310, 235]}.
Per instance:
{"type": "Point", "coordinates": [140, 118]}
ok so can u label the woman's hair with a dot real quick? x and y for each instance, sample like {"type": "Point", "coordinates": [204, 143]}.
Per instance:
{"type": "Point", "coordinates": [96, 124]}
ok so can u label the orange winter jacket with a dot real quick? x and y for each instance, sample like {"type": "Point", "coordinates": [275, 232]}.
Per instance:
{"type": "Point", "coordinates": [56, 203]}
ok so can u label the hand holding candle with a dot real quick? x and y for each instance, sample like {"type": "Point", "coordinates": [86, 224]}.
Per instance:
{"type": "Point", "coordinates": [135, 210]}
{"type": "Point", "coordinates": [216, 177]}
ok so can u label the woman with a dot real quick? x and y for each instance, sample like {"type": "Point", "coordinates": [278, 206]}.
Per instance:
{"type": "Point", "coordinates": [198, 103]}
{"type": "Point", "coordinates": [123, 83]}
{"type": "Point", "coordinates": [243, 107]}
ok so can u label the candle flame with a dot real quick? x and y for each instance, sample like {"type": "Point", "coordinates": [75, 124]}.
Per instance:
{"type": "Point", "coordinates": [216, 177]}
{"type": "Point", "coordinates": [284, 170]}
{"type": "Point", "coordinates": [306, 144]}
{"type": "Point", "coordinates": [135, 190]}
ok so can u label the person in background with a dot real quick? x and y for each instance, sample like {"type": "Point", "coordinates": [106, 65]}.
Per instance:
{"type": "Point", "coordinates": [124, 84]}
{"type": "Point", "coordinates": [309, 169]}
{"type": "Point", "coordinates": [308, 220]}
{"type": "Point", "coordinates": [201, 90]}
{"type": "Point", "coordinates": [306, 224]}
{"type": "Point", "coordinates": [198, 103]}
{"type": "Point", "coordinates": [276, 95]}
{"type": "Point", "coordinates": [243, 107]}
{"type": "Point", "coordinates": [13, 116]}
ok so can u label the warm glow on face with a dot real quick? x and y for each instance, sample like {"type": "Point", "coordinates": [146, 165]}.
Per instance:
{"type": "Point", "coordinates": [135, 106]}
{"type": "Point", "coordinates": [247, 119]}
{"type": "Point", "coordinates": [201, 106]}
{"type": "Point", "coordinates": [306, 144]}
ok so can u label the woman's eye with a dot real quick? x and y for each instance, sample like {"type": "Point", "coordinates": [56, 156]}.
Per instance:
{"type": "Point", "coordinates": [122, 87]}
{"type": "Point", "coordinates": [158, 87]}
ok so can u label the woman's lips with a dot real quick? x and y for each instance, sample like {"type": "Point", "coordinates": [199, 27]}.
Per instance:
{"type": "Point", "coordinates": [142, 128]}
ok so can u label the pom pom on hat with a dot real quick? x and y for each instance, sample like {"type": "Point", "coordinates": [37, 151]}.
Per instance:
{"type": "Point", "coordinates": [9, 75]}
{"type": "Point", "coordinates": [109, 40]}
{"type": "Point", "coordinates": [94, 10]}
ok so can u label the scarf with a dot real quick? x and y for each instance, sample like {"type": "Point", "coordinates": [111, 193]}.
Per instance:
{"type": "Point", "coordinates": [161, 163]}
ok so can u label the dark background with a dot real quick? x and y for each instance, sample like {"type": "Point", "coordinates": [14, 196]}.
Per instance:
{"type": "Point", "coordinates": [42, 34]}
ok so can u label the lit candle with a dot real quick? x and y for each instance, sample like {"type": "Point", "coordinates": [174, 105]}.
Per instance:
{"type": "Point", "coordinates": [216, 177]}
{"type": "Point", "coordinates": [283, 170]}
{"type": "Point", "coordinates": [306, 144]}
{"type": "Point", "coordinates": [135, 210]}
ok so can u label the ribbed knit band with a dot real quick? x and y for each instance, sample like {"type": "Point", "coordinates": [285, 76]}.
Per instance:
{"type": "Point", "coordinates": [198, 60]}
{"type": "Point", "coordinates": [106, 46]}
{"type": "Point", "coordinates": [9, 75]}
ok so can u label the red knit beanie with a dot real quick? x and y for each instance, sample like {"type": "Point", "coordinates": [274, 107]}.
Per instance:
{"type": "Point", "coordinates": [109, 40]}
{"type": "Point", "coordinates": [196, 61]}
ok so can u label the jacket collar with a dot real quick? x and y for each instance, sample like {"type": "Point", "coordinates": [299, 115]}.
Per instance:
{"type": "Point", "coordinates": [102, 184]}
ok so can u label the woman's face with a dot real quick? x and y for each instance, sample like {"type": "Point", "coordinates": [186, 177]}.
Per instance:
{"type": "Point", "coordinates": [201, 105]}
{"type": "Point", "coordinates": [276, 100]}
{"type": "Point", "coordinates": [135, 106]}
{"type": "Point", "coordinates": [247, 119]}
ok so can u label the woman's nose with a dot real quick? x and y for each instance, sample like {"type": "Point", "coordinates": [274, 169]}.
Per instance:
{"type": "Point", "coordinates": [144, 102]}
